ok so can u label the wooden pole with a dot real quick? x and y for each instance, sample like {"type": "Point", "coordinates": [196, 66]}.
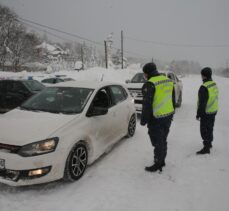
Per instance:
{"type": "Point", "coordinates": [122, 49]}
{"type": "Point", "coordinates": [82, 57]}
{"type": "Point", "coordinates": [105, 45]}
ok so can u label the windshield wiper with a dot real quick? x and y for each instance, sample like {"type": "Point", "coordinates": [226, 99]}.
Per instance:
{"type": "Point", "coordinates": [29, 109]}
{"type": "Point", "coordinates": [50, 111]}
{"type": "Point", "coordinates": [69, 112]}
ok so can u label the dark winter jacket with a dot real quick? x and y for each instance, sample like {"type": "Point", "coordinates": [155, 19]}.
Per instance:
{"type": "Point", "coordinates": [202, 101]}
{"type": "Point", "coordinates": [148, 91]}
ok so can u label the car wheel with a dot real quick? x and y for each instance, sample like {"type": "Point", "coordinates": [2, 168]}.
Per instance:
{"type": "Point", "coordinates": [179, 100]}
{"type": "Point", "coordinates": [131, 126]}
{"type": "Point", "coordinates": [76, 162]}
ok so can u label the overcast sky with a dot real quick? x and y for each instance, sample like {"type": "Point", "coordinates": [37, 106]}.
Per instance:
{"type": "Point", "coordinates": [177, 29]}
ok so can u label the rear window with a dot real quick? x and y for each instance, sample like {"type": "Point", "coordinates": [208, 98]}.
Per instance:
{"type": "Point", "coordinates": [15, 86]}
{"type": "Point", "coordinates": [138, 78]}
{"type": "Point", "coordinates": [34, 85]}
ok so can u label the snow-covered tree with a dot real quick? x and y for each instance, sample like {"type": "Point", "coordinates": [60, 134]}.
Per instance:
{"type": "Point", "coordinates": [117, 59]}
{"type": "Point", "coordinates": [7, 26]}
{"type": "Point", "coordinates": [16, 45]}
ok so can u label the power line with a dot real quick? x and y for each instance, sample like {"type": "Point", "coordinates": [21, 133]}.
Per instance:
{"type": "Point", "coordinates": [50, 33]}
{"type": "Point", "coordinates": [74, 35]}
{"type": "Point", "coordinates": [177, 45]}
{"type": "Point", "coordinates": [60, 31]}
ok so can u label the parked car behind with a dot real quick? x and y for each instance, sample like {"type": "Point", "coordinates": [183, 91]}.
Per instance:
{"type": "Point", "coordinates": [56, 80]}
{"type": "Point", "coordinates": [135, 87]}
{"type": "Point", "coordinates": [14, 92]}
{"type": "Point", "coordinates": [61, 130]}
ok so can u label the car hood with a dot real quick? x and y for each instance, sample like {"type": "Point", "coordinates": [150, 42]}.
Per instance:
{"type": "Point", "coordinates": [19, 127]}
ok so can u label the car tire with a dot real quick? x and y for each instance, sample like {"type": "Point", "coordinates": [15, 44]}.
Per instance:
{"type": "Point", "coordinates": [178, 105]}
{"type": "Point", "coordinates": [131, 126]}
{"type": "Point", "coordinates": [76, 163]}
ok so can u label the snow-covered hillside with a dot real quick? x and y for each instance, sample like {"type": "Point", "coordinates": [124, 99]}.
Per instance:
{"type": "Point", "coordinates": [118, 181]}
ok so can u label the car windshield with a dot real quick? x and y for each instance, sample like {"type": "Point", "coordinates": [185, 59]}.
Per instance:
{"type": "Point", "coordinates": [34, 85]}
{"type": "Point", "coordinates": [138, 78]}
{"type": "Point", "coordinates": [67, 100]}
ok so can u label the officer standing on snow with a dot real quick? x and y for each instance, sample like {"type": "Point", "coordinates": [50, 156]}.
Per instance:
{"type": "Point", "coordinates": [157, 112]}
{"type": "Point", "coordinates": [207, 108]}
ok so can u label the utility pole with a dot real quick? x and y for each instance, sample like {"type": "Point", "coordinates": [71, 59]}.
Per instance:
{"type": "Point", "coordinates": [82, 57]}
{"type": "Point", "coordinates": [106, 59]}
{"type": "Point", "coordinates": [122, 49]}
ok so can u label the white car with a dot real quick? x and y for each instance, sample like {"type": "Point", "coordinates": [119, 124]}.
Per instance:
{"type": "Point", "coordinates": [58, 132]}
{"type": "Point", "coordinates": [135, 88]}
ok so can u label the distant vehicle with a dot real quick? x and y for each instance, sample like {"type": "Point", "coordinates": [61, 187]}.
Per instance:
{"type": "Point", "coordinates": [61, 130]}
{"type": "Point", "coordinates": [14, 92]}
{"type": "Point", "coordinates": [68, 79]}
{"type": "Point", "coordinates": [56, 80]}
{"type": "Point", "coordinates": [135, 87]}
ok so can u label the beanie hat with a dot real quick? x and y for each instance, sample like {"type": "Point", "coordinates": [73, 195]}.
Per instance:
{"type": "Point", "coordinates": [150, 68]}
{"type": "Point", "coordinates": [207, 72]}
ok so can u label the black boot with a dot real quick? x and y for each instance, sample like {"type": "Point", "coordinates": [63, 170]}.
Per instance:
{"type": "Point", "coordinates": [205, 150]}
{"type": "Point", "coordinates": [155, 167]}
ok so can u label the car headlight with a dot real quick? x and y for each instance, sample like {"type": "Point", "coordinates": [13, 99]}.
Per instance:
{"type": "Point", "coordinates": [39, 148]}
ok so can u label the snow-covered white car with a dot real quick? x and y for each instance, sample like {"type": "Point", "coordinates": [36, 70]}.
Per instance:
{"type": "Point", "coordinates": [135, 88]}
{"type": "Point", "coordinates": [58, 132]}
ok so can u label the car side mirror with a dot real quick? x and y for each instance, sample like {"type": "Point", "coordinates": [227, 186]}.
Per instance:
{"type": "Point", "coordinates": [128, 81]}
{"type": "Point", "coordinates": [96, 111]}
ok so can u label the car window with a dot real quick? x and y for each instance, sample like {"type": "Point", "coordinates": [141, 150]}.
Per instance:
{"type": "Point", "coordinates": [58, 80]}
{"type": "Point", "coordinates": [15, 86]}
{"type": "Point", "coordinates": [49, 80]}
{"type": "Point", "coordinates": [52, 80]}
{"type": "Point", "coordinates": [69, 79]}
{"type": "Point", "coordinates": [33, 85]}
{"type": "Point", "coordinates": [138, 78]}
{"type": "Point", "coordinates": [118, 94]}
{"type": "Point", "coordinates": [67, 100]}
{"type": "Point", "coordinates": [102, 99]}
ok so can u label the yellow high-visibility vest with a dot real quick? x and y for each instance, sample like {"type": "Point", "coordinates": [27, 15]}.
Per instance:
{"type": "Point", "coordinates": [162, 102]}
{"type": "Point", "coordinates": [213, 94]}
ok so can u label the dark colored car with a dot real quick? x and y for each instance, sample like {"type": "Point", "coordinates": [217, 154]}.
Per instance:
{"type": "Point", "coordinates": [56, 80]}
{"type": "Point", "coordinates": [14, 92]}
{"type": "Point", "coordinates": [52, 80]}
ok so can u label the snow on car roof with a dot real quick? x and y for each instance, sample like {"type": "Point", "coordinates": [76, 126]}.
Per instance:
{"type": "Point", "coordinates": [86, 84]}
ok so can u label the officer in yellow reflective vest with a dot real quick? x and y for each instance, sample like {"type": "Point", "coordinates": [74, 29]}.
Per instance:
{"type": "Point", "coordinates": [157, 112]}
{"type": "Point", "coordinates": [207, 107]}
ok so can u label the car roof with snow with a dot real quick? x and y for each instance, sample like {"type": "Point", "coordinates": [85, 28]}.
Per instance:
{"type": "Point", "coordinates": [86, 84]}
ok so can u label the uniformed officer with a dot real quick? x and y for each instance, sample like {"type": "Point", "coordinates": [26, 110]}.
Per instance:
{"type": "Point", "coordinates": [157, 112]}
{"type": "Point", "coordinates": [207, 109]}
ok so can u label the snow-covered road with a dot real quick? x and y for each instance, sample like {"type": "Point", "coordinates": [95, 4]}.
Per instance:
{"type": "Point", "coordinates": [118, 182]}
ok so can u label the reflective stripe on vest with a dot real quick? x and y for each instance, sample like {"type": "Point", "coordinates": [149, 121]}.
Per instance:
{"type": "Point", "coordinates": [162, 102]}
{"type": "Point", "coordinates": [213, 93]}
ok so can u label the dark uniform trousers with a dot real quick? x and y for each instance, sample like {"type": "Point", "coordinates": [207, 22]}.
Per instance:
{"type": "Point", "coordinates": [206, 129]}
{"type": "Point", "coordinates": [158, 130]}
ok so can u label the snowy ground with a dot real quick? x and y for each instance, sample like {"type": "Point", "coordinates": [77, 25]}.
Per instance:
{"type": "Point", "coordinates": [118, 182]}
